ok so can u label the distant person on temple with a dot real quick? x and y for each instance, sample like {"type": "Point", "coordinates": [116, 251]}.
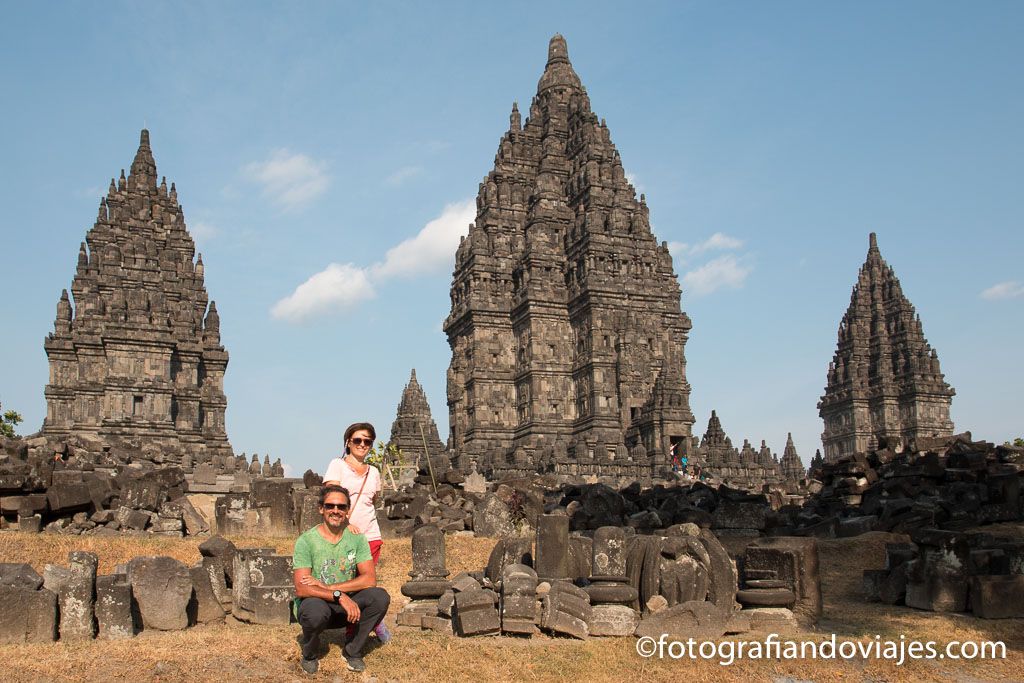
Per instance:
{"type": "Point", "coordinates": [354, 474]}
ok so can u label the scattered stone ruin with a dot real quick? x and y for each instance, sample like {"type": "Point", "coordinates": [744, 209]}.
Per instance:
{"type": "Point", "coordinates": [83, 484]}
{"type": "Point", "coordinates": [615, 582]}
{"type": "Point", "coordinates": [158, 593]}
{"type": "Point", "coordinates": [884, 382]}
{"type": "Point", "coordinates": [949, 571]}
{"type": "Point", "coordinates": [566, 331]}
{"type": "Point", "coordinates": [135, 354]}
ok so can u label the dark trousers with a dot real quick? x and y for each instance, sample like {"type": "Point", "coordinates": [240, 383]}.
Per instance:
{"type": "Point", "coordinates": [317, 614]}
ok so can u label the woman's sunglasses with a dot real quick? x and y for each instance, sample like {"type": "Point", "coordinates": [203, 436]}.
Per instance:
{"type": "Point", "coordinates": [356, 441]}
{"type": "Point", "coordinates": [335, 506]}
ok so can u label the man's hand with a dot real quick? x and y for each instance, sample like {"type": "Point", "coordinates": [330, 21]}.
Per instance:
{"type": "Point", "coordinates": [309, 580]}
{"type": "Point", "coordinates": [350, 607]}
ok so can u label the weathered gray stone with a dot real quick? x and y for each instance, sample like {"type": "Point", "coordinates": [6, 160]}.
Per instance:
{"type": "Point", "coordinates": [475, 613]}
{"type": "Point", "coordinates": [28, 616]}
{"type": "Point", "coordinates": [566, 609]}
{"type": "Point", "coordinates": [114, 607]}
{"type": "Point", "coordinates": [552, 548]}
{"type": "Point", "coordinates": [998, 597]}
{"type": "Point", "coordinates": [75, 587]}
{"type": "Point", "coordinates": [613, 620]}
{"type": "Point", "coordinates": [222, 549]}
{"type": "Point", "coordinates": [19, 575]}
{"type": "Point", "coordinates": [695, 619]}
{"type": "Point", "coordinates": [204, 607]}
{"type": "Point", "coordinates": [795, 560]}
{"type": "Point", "coordinates": [162, 588]}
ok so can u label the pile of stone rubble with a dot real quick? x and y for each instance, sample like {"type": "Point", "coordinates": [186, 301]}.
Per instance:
{"type": "Point", "coordinates": [948, 571]}
{"type": "Point", "coordinates": [71, 602]}
{"type": "Point", "coordinates": [615, 582]}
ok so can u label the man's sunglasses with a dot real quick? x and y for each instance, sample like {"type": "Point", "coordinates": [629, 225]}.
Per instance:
{"type": "Point", "coordinates": [335, 506]}
{"type": "Point", "coordinates": [356, 441]}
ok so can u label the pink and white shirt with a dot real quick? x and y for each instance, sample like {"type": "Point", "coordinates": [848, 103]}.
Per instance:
{"type": "Point", "coordinates": [362, 514]}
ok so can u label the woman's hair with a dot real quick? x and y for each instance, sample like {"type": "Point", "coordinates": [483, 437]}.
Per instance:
{"type": "Point", "coordinates": [333, 488]}
{"type": "Point", "coordinates": [357, 427]}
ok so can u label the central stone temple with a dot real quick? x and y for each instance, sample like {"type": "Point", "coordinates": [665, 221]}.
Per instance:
{"type": "Point", "coordinates": [566, 330]}
{"type": "Point", "coordinates": [138, 355]}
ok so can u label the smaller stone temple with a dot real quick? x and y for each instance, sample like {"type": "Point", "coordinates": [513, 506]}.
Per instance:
{"type": "Point", "coordinates": [884, 381]}
{"type": "Point", "coordinates": [744, 468]}
{"type": "Point", "coordinates": [135, 353]}
{"type": "Point", "coordinates": [414, 423]}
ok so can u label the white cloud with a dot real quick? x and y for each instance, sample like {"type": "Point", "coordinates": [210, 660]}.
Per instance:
{"type": "Point", "coordinates": [717, 242]}
{"type": "Point", "coordinates": [1011, 289]}
{"type": "Point", "coordinates": [681, 251]}
{"type": "Point", "coordinates": [403, 174]}
{"type": "Point", "coordinates": [336, 288]}
{"type": "Point", "coordinates": [723, 272]}
{"type": "Point", "coordinates": [290, 180]}
{"type": "Point", "coordinates": [339, 287]}
{"type": "Point", "coordinates": [203, 231]}
{"type": "Point", "coordinates": [433, 248]}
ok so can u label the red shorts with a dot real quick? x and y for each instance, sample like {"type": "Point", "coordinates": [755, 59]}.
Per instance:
{"type": "Point", "coordinates": [375, 551]}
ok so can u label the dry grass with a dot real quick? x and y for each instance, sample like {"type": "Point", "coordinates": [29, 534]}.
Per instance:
{"type": "Point", "coordinates": [236, 651]}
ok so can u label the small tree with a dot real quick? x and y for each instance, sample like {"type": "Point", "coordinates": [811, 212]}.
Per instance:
{"type": "Point", "coordinates": [384, 454]}
{"type": "Point", "coordinates": [8, 422]}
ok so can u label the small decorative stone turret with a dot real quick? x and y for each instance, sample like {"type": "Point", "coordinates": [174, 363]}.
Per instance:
{"type": "Point", "coordinates": [137, 355]}
{"type": "Point", "coordinates": [792, 466]}
{"type": "Point", "coordinates": [884, 381]}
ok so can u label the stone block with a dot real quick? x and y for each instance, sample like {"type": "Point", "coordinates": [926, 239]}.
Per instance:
{"type": "Point", "coordinates": [438, 623]}
{"type": "Point", "coordinates": [222, 549]}
{"type": "Point", "coordinates": [475, 613]}
{"type": "Point", "coordinates": [412, 614]}
{"type": "Point", "coordinates": [75, 587]}
{"type": "Point", "coordinates": [19, 575]}
{"type": "Point", "coordinates": [772, 620]}
{"type": "Point", "coordinates": [161, 588]}
{"type": "Point", "coordinates": [690, 619]}
{"type": "Point", "coordinates": [28, 616]}
{"type": "Point", "coordinates": [272, 604]}
{"type": "Point", "coordinates": [32, 524]}
{"type": "Point", "coordinates": [998, 597]}
{"type": "Point", "coordinates": [937, 592]}
{"type": "Point", "coordinates": [68, 497]}
{"type": "Point", "coordinates": [795, 560]}
{"type": "Point", "coordinates": [613, 620]}
{"type": "Point", "coordinates": [114, 607]}
{"type": "Point", "coordinates": [204, 607]}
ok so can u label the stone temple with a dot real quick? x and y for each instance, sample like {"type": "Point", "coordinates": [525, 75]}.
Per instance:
{"type": "Point", "coordinates": [566, 330]}
{"type": "Point", "coordinates": [884, 380]}
{"type": "Point", "coordinates": [413, 424]}
{"type": "Point", "coordinates": [135, 353]}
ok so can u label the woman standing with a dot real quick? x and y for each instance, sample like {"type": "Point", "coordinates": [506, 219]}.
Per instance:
{"type": "Point", "coordinates": [362, 481]}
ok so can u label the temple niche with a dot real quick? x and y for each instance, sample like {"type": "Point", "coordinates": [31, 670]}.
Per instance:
{"type": "Point", "coordinates": [136, 353]}
{"type": "Point", "coordinates": [566, 331]}
{"type": "Point", "coordinates": [884, 383]}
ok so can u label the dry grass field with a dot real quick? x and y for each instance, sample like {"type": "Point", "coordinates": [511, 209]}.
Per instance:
{"type": "Point", "coordinates": [235, 651]}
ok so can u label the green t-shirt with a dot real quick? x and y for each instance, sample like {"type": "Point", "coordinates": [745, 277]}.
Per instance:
{"type": "Point", "coordinates": [331, 562]}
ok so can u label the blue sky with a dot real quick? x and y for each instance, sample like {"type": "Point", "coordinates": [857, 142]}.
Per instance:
{"type": "Point", "coordinates": [326, 155]}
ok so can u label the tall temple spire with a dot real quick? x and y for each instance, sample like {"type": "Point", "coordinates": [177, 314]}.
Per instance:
{"type": "Point", "coordinates": [882, 381]}
{"type": "Point", "coordinates": [139, 304]}
{"type": "Point", "coordinates": [143, 169]}
{"type": "Point", "coordinates": [566, 328]}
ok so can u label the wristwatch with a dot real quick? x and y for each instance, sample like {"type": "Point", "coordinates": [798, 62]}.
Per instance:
{"type": "Point", "coordinates": [337, 597]}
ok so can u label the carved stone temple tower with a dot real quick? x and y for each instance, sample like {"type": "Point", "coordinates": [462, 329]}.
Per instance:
{"type": "Point", "coordinates": [138, 354]}
{"type": "Point", "coordinates": [566, 331]}
{"type": "Point", "coordinates": [414, 414]}
{"type": "Point", "coordinates": [885, 379]}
